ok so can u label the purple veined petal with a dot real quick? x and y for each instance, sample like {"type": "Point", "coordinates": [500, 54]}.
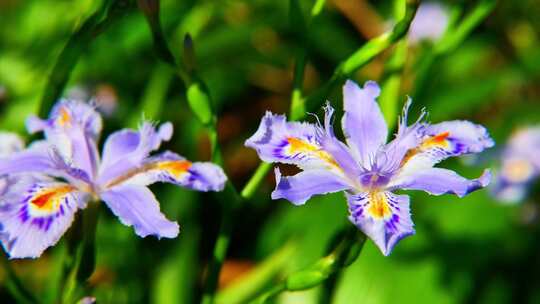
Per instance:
{"type": "Point", "coordinates": [383, 216]}
{"type": "Point", "coordinates": [137, 206]}
{"type": "Point", "coordinates": [299, 188]}
{"type": "Point", "coordinates": [446, 139]}
{"type": "Point", "coordinates": [363, 123]}
{"type": "Point", "coordinates": [10, 143]}
{"type": "Point", "coordinates": [73, 128]}
{"type": "Point", "coordinates": [277, 140]}
{"type": "Point", "coordinates": [127, 149]}
{"type": "Point", "coordinates": [437, 181]}
{"type": "Point", "coordinates": [34, 214]}
{"type": "Point", "coordinates": [407, 138]}
{"type": "Point", "coordinates": [170, 167]}
{"type": "Point", "coordinates": [37, 160]}
{"type": "Point", "coordinates": [340, 152]}
{"type": "Point", "coordinates": [40, 159]}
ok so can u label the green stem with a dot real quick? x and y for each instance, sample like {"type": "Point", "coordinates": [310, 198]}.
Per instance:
{"type": "Point", "coordinates": [85, 257]}
{"type": "Point", "coordinates": [363, 56]}
{"type": "Point", "coordinates": [342, 255]}
{"type": "Point", "coordinates": [14, 285]}
{"type": "Point", "coordinates": [107, 13]}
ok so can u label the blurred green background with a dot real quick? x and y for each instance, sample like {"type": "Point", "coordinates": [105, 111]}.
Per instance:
{"type": "Point", "coordinates": [470, 250]}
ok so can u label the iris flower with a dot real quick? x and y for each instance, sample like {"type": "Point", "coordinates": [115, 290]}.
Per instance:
{"type": "Point", "coordinates": [63, 173]}
{"type": "Point", "coordinates": [520, 165]}
{"type": "Point", "coordinates": [367, 168]}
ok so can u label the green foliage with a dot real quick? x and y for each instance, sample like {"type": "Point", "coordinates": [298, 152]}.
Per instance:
{"type": "Point", "coordinates": [247, 57]}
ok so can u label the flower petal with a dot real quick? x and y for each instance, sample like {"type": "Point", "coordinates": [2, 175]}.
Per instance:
{"type": "Point", "coordinates": [340, 152]}
{"type": "Point", "coordinates": [35, 214]}
{"type": "Point", "coordinates": [363, 123]}
{"type": "Point", "coordinates": [383, 216]}
{"type": "Point", "coordinates": [446, 139]}
{"type": "Point", "coordinates": [127, 149]}
{"type": "Point", "coordinates": [10, 143]}
{"type": "Point", "coordinates": [173, 168]}
{"type": "Point", "coordinates": [295, 143]}
{"type": "Point", "coordinates": [299, 188]}
{"type": "Point", "coordinates": [73, 128]}
{"type": "Point", "coordinates": [437, 181]}
{"type": "Point", "coordinates": [137, 206]}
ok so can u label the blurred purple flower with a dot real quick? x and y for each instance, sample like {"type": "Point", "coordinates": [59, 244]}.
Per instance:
{"type": "Point", "coordinates": [366, 168]}
{"type": "Point", "coordinates": [63, 172]}
{"type": "Point", "coordinates": [429, 23]}
{"type": "Point", "coordinates": [520, 165]}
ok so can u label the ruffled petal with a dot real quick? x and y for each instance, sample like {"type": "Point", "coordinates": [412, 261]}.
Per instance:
{"type": "Point", "coordinates": [363, 123]}
{"type": "Point", "coordinates": [299, 188]}
{"type": "Point", "coordinates": [446, 139]}
{"type": "Point", "coordinates": [35, 214]}
{"type": "Point", "coordinates": [137, 206]}
{"type": "Point", "coordinates": [73, 128]}
{"type": "Point", "coordinates": [383, 216]}
{"type": "Point", "coordinates": [41, 159]}
{"type": "Point", "coordinates": [294, 143]}
{"type": "Point", "coordinates": [437, 181]}
{"type": "Point", "coordinates": [173, 168]}
{"type": "Point", "coordinates": [340, 152]}
{"type": "Point", "coordinates": [127, 149]}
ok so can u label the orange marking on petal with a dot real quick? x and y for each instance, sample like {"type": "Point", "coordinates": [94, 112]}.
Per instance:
{"type": "Point", "coordinates": [378, 205]}
{"type": "Point", "coordinates": [438, 140]}
{"type": "Point", "coordinates": [64, 118]}
{"type": "Point", "coordinates": [175, 167]}
{"type": "Point", "coordinates": [49, 199]}
{"type": "Point", "coordinates": [297, 145]}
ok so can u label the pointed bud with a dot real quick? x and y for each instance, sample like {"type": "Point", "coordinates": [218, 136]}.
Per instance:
{"type": "Point", "coordinates": [189, 53]}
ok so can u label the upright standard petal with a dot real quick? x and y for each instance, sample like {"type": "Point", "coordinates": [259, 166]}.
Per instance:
{"type": "Point", "coordinates": [299, 188]}
{"type": "Point", "coordinates": [383, 216]}
{"type": "Point", "coordinates": [136, 206]}
{"type": "Point", "coordinates": [295, 143]}
{"type": "Point", "coordinates": [73, 128]}
{"type": "Point", "coordinates": [437, 181]}
{"type": "Point", "coordinates": [34, 214]}
{"type": "Point", "coordinates": [173, 168]}
{"type": "Point", "coordinates": [127, 149]}
{"type": "Point", "coordinates": [363, 123]}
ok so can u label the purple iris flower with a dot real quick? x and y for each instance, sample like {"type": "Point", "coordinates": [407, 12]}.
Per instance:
{"type": "Point", "coordinates": [64, 172]}
{"type": "Point", "coordinates": [520, 165]}
{"type": "Point", "coordinates": [367, 168]}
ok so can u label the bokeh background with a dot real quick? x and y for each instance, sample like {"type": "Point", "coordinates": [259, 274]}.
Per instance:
{"type": "Point", "coordinates": [470, 250]}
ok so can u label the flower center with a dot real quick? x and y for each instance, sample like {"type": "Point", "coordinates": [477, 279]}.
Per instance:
{"type": "Point", "coordinates": [374, 180]}
{"type": "Point", "coordinates": [517, 170]}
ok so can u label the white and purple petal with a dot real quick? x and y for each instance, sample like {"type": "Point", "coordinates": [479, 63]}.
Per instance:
{"type": "Point", "coordinates": [34, 214]}
{"type": "Point", "coordinates": [437, 181]}
{"type": "Point", "coordinates": [172, 168]}
{"type": "Point", "coordinates": [383, 216]}
{"type": "Point", "coordinates": [127, 149]}
{"type": "Point", "coordinates": [137, 206]}
{"type": "Point", "coordinates": [444, 140]}
{"type": "Point", "coordinates": [363, 123]}
{"type": "Point", "coordinates": [300, 187]}
{"type": "Point", "coordinates": [279, 141]}
{"type": "Point", "coordinates": [73, 127]}
{"type": "Point", "coordinates": [10, 143]}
